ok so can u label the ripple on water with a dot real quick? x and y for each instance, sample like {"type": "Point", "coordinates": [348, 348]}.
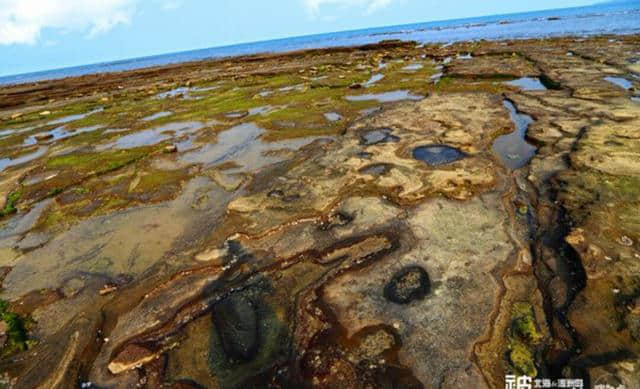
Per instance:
{"type": "Point", "coordinates": [512, 149]}
{"type": "Point", "coordinates": [436, 155]}
{"type": "Point", "coordinates": [620, 81]}
{"type": "Point", "coordinates": [527, 83]}
{"type": "Point", "coordinates": [386, 97]}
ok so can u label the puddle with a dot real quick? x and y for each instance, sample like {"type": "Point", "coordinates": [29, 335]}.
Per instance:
{"type": "Point", "coordinates": [377, 169]}
{"type": "Point", "coordinates": [242, 145]}
{"type": "Point", "coordinates": [513, 149]}
{"type": "Point", "coordinates": [267, 93]}
{"type": "Point", "coordinates": [465, 56]}
{"type": "Point", "coordinates": [158, 115]}
{"type": "Point", "coordinates": [374, 78]}
{"type": "Point", "coordinates": [332, 116]}
{"type": "Point", "coordinates": [619, 81]}
{"type": "Point", "coordinates": [436, 155]}
{"type": "Point", "coordinates": [153, 135]}
{"type": "Point", "coordinates": [181, 91]}
{"type": "Point", "coordinates": [8, 162]}
{"type": "Point", "coordinates": [436, 77]}
{"type": "Point", "coordinates": [125, 242]}
{"type": "Point", "coordinates": [413, 67]}
{"type": "Point", "coordinates": [58, 133]}
{"type": "Point", "coordinates": [527, 83]}
{"type": "Point", "coordinates": [73, 118]}
{"type": "Point", "coordinates": [6, 132]}
{"type": "Point", "coordinates": [386, 97]}
{"type": "Point", "coordinates": [184, 92]}
{"type": "Point", "coordinates": [382, 65]}
{"type": "Point", "coordinates": [447, 60]}
{"type": "Point", "coordinates": [374, 137]}
{"type": "Point", "coordinates": [289, 88]}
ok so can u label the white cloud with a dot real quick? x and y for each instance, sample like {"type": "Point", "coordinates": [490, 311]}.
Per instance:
{"type": "Point", "coordinates": [22, 21]}
{"type": "Point", "coordinates": [314, 6]}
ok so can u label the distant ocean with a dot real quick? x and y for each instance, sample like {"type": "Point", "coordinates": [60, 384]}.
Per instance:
{"type": "Point", "coordinates": [607, 18]}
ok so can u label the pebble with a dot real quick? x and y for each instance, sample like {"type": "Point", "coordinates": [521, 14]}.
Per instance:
{"type": "Point", "coordinates": [170, 149]}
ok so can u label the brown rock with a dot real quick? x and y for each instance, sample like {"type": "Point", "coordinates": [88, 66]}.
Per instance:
{"type": "Point", "coordinates": [131, 357]}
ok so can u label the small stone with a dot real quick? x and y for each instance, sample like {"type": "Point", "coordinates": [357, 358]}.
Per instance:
{"type": "Point", "coordinates": [43, 136]}
{"type": "Point", "coordinates": [409, 284]}
{"type": "Point", "coordinates": [16, 116]}
{"type": "Point", "coordinates": [132, 357]}
{"type": "Point", "coordinates": [4, 327]}
{"type": "Point", "coordinates": [45, 113]}
{"type": "Point", "coordinates": [216, 255]}
{"type": "Point", "coordinates": [625, 241]}
{"type": "Point", "coordinates": [170, 149]}
{"type": "Point", "coordinates": [108, 288]}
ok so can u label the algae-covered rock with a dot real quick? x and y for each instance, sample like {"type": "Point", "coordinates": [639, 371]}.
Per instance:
{"type": "Point", "coordinates": [409, 284]}
{"type": "Point", "coordinates": [237, 323]}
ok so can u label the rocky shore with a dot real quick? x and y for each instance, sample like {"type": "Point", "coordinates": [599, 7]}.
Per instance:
{"type": "Point", "coordinates": [386, 216]}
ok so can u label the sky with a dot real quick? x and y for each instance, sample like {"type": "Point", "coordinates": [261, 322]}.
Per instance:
{"type": "Point", "coordinates": [48, 34]}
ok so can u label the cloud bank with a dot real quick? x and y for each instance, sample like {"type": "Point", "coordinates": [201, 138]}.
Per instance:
{"type": "Point", "coordinates": [22, 21]}
{"type": "Point", "coordinates": [314, 6]}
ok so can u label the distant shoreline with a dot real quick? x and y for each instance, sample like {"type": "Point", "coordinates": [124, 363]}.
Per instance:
{"type": "Point", "coordinates": [17, 96]}
{"type": "Point", "coordinates": [599, 19]}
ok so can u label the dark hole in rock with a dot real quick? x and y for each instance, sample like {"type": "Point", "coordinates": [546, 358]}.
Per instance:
{"type": "Point", "coordinates": [236, 320]}
{"type": "Point", "coordinates": [382, 135]}
{"type": "Point", "coordinates": [407, 285]}
{"type": "Point", "coordinates": [549, 83]}
{"type": "Point", "coordinates": [364, 155]}
{"type": "Point", "coordinates": [376, 169]}
{"type": "Point", "coordinates": [438, 154]}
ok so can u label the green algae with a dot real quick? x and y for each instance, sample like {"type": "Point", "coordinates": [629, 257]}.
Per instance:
{"type": "Point", "coordinates": [17, 339]}
{"type": "Point", "coordinates": [10, 205]}
{"type": "Point", "coordinates": [524, 323]}
{"type": "Point", "coordinates": [522, 359]}
{"type": "Point", "coordinates": [523, 340]}
{"type": "Point", "coordinates": [99, 162]}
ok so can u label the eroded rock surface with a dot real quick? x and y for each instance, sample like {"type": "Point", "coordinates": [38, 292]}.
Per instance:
{"type": "Point", "coordinates": [211, 226]}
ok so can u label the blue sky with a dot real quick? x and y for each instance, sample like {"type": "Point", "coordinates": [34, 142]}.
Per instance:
{"type": "Point", "coordinates": [46, 34]}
